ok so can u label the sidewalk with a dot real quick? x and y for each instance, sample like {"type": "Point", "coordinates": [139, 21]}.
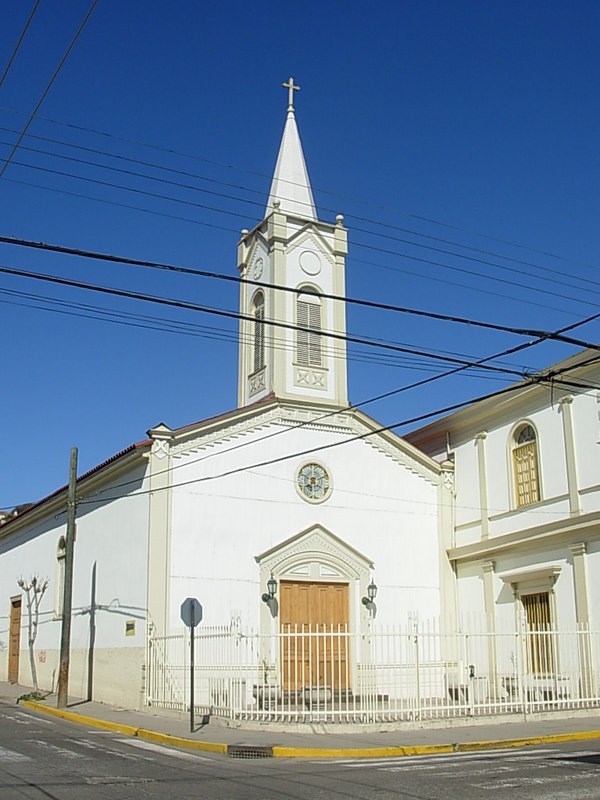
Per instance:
{"type": "Point", "coordinates": [173, 729]}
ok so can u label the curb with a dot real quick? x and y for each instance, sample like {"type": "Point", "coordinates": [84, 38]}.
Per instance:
{"type": "Point", "coordinates": [280, 751]}
{"type": "Point", "coordinates": [129, 730]}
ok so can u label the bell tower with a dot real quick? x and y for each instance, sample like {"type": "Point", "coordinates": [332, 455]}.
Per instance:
{"type": "Point", "coordinates": [291, 264]}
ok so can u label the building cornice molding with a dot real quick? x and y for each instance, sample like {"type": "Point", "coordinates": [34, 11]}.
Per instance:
{"type": "Point", "coordinates": [585, 527]}
{"type": "Point", "coordinates": [292, 414]}
{"type": "Point", "coordinates": [91, 481]}
{"type": "Point", "coordinates": [525, 395]}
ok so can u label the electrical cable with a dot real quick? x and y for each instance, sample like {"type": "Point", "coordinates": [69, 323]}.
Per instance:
{"type": "Point", "coordinates": [22, 36]}
{"type": "Point", "coordinates": [47, 89]}
{"type": "Point", "coordinates": [321, 448]}
{"type": "Point", "coordinates": [351, 260]}
{"type": "Point", "coordinates": [410, 243]}
{"type": "Point", "coordinates": [256, 173]}
{"type": "Point", "coordinates": [114, 258]}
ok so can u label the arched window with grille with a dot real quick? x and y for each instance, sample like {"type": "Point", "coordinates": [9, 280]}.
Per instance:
{"type": "Point", "coordinates": [309, 351]}
{"type": "Point", "coordinates": [258, 332]}
{"type": "Point", "coordinates": [525, 466]}
{"type": "Point", "coordinates": [59, 577]}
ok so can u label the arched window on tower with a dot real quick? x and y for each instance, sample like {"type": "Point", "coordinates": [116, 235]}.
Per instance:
{"type": "Point", "coordinates": [258, 332]}
{"type": "Point", "coordinates": [309, 334]}
{"type": "Point", "coordinates": [525, 466]}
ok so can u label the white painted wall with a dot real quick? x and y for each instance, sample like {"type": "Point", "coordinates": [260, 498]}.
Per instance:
{"type": "Point", "coordinates": [110, 552]}
{"type": "Point", "coordinates": [378, 507]}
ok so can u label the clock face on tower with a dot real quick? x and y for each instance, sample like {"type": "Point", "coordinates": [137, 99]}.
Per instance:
{"type": "Point", "coordinates": [313, 483]}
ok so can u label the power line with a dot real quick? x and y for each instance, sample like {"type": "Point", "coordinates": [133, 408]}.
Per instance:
{"type": "Point", "coordinates": [391, 393]}
{"type": "Point", "coordinates": [548, 376]}
{"type": "Point", "coordinates": [233, 315]}
{"type": "Point", "coordinates": [48, 87]}
{"type": "Point", "coordinates": [257, 173]}
{"type": "Point", "coordinates": [113, 258]}
{"type": "Point", "coordinates": [166, 325]}
{"type": "Point", "coordinates": [350, 260]}
{"type": "Point", "coordinates": [400, 240]}
{"type": "Point", "coordinates": [322, 448]}
{"type": "Point", "coordinates": [21, 37]}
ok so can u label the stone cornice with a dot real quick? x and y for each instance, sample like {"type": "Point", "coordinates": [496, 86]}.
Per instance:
{"type": "Point", "coordinates": [573, 529]}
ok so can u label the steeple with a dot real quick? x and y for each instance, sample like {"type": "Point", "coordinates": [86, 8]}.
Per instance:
{"type": "Point", "coordinates": [291, 184]}
{"type": "Point", "coordinates": [284, 346]}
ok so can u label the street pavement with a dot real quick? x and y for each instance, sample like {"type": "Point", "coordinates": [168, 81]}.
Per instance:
{"type": "Point", "coordinates": [406, 739]}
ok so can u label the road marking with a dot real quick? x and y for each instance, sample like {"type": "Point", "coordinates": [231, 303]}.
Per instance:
{"type": "Point", "coordinates": [159, 748]}
{"type": "Point", "coordinates": [62, 751]}
{"type": "Point", "coordinates": [11, 755]}
{"type": "Point", "coordinates": [526, 780]}
{"type": "Point", "coordinates": [442, 758]}
{"type": "Point", "coordinates": [111, 751]}
{"type": "Point", "coordinates": [22, 718]}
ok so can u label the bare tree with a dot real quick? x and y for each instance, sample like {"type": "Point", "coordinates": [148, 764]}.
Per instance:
{"type": "Point", "coordinates": [34, 588]}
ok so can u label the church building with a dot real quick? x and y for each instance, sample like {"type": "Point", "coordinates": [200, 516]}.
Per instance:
{"type": "Point", "coordinates": [292, 511]}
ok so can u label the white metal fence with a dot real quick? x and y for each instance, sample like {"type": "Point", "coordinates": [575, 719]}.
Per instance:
{"type": "Point", "coordinates": [330, 674]}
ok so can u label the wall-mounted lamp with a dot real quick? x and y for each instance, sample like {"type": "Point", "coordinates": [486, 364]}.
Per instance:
{"type": "Point", "coordinates": [371, 594]}
{"type": "Point", "coordinates": [271, 589]}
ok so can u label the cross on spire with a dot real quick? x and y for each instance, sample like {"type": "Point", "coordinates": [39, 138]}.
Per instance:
{"type": "Point", "coordinates": [291, 87]}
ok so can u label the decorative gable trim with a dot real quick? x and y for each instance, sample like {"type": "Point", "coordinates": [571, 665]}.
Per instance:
{"type": "Point", "coordinates": [319, 546]}
{"type": "Point", "coordinates": [310, 234]}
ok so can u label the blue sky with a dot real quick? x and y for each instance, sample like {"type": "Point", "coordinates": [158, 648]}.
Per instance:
{"type": "Point", "coordinates": [454, 125]}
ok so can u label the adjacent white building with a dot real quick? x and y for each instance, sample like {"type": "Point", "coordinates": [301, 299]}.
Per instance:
{"type": "Point", "coordinates": [527, 503]}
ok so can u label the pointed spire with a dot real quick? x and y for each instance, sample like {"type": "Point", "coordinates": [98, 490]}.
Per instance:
{"type": "Point", "coordinates": [290, 184]}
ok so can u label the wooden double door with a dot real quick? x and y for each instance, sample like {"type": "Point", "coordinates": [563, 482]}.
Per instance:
{"type": "Point", "coordinates": [314, 635]}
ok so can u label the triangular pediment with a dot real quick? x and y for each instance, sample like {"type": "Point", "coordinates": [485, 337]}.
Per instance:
{"type": "Point", "coordinates": [309, 236]}
{"type": "Point", "coordinates": [315, 546]}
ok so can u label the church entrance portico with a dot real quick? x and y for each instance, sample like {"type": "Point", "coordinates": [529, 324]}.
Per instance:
{"type": "Point", "coordinates": [316, 611]}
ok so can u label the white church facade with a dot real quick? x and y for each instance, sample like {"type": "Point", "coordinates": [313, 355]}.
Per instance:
{"type": "Point", "coordinates": [285, 515]}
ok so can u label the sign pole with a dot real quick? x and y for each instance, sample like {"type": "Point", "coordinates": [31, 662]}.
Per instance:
{"type": "Point", "coordinates": [191, 615]}
{"type": "Point", "coordinates": [192, 626]}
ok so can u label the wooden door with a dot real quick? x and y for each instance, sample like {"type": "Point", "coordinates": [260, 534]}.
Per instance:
{"type": "Point", "coordinates": [314, 627]}
{"type": "Point", "coordinates": [14, 636]}
{"type": "Point", "coordinates": [540, 654]}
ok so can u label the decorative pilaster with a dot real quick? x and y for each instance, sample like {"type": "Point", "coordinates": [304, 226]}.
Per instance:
{"type": "Point", "coordinates": [159, 530]}
{"type": "Point", "coordinates": [582, 608]}
{"type": "Point", "coordinates": [567, 416]}
{"type": "Point", "coordinates": [490, 614]}
{"type": "Point", "coordinates": [448, 591]}
{"type": "Point", "coordinates": [488, 594]}
{"type": "Point", "coordinates": [483, 492]}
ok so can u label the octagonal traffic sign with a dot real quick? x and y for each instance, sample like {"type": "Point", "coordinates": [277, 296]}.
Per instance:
{"type": "Point", "coordinates": [191, 612]}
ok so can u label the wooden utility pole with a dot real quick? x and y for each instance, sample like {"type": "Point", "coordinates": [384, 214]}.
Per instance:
{"type": "Point", "coordinates": [65, 637]}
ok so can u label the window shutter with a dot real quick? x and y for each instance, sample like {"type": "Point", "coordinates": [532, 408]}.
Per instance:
{"type": "Point", "coordinates": [308, 350]}
{"type": "Point", "coordinates": [526, 474]}
{"type": "Point", "coordinates": [302, 337]}
{"type": "Point", "coordinates": [259, 337]}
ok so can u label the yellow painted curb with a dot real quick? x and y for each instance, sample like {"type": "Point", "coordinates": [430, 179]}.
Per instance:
{"type": "Point", "coordinates": [178, 741]}
{"type": "Point", "coordinates": [423, 750]}
{"type": "Point", "coordinates": [316, 752]}
{"type": "Point", "coordinates": [129, 730]}
{"type": "Point", "coordinates": [360, 752]}
{"type": "Point", "coordinates": [71, 716]}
